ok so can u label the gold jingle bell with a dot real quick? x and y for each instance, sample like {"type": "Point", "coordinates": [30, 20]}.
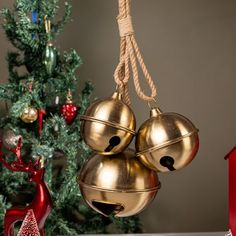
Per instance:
{"type": "Point", "coordinates": [166, 141]}
{"type": "Point", "coordinates": [117, 184]}
{"type": "Point", "coordinates": [29, 115]}
{"type": "Point", "coordinates": [108, 125]}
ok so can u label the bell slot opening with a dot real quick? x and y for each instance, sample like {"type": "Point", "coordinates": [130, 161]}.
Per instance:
{"type": "Point", "coordinates": [168, 162]}
{"type": "Point", "coordinates": [107, 208]}
{"type": "Point", "coordinates": [113, 142]}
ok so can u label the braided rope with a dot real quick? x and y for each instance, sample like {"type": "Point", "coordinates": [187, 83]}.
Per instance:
{"type": "Point", "coordinates": [129, 56]}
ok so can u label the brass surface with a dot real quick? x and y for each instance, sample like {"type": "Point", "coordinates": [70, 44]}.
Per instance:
{"type": "Point", "coordinates": [111, 124]}
{"type": "Point", "coordinates": [29, 115]}
{"type": "Point", "coordinates": [108, 125]}
{"type": "Point", "coordinates": [117, 184]}
{"type": "Point", "coordinates": [166, 137]}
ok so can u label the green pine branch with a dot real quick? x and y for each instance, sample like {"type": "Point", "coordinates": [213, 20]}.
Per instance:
{"type": "Point", "coordinates": [70, 215]}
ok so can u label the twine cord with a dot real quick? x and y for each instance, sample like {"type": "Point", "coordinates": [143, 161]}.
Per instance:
{"type": "Point", "coordinates": [47, 25]}
{"type": "Point", "coordinates": [130, 55]}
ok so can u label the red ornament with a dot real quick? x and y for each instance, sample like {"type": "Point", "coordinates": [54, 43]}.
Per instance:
{"type": "Point", "coordinates": [29, 226]}
{"type": "Point", "coordinates": [69, 111]}
{"type": "Point", "coordinates": [42, 202]}
{"type": "Point", "coordinates": [232, 190]}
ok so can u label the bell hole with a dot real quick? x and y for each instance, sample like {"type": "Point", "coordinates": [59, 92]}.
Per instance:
{"type": "Point", "coordinates": [114, 141]}
{"type": "Point", "coordinates": [108, 209]}
{"type": "Point", "coordinates": [168, 162]}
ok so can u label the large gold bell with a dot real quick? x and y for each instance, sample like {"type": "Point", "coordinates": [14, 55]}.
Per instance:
{"type": "Point", "coordinates": [117, 184]}
{"type": "Point", "coordinates": [166, 141]}
{"type": "Point", "coordinates": [108, 125]}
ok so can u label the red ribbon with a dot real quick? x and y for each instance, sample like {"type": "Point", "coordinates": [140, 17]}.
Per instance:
{"type": "Point", "coordinates": [41, 113]}
{"type": "Point", "coordinates": [232, 190]}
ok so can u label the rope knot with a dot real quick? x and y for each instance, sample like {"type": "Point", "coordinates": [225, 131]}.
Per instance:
{"type": "Point", "coordinates": [125, 26]}
{"type": "Point", "coordinates": [129, 56]}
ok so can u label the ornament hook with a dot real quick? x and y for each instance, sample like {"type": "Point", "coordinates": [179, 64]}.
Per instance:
{"type": "Point", "coordinates": [47, 24]}
{"type": "Point", "coordinates": [69, 95]}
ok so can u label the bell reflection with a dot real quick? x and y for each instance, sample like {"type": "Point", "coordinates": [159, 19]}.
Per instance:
{"type": "Point", "coordinates": [118, 184]}
{"type": "Point", "coordinates": [166, 141]}
{"type": "Point", "coordinates": [108, 125]}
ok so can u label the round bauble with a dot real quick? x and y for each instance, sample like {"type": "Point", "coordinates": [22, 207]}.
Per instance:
{"type": "Point", "coordinates": [108, 125]}
{"type": "Point", "coordinates": [117, 185]}
{"type": "Point", "coordinates": [166, 141]}
{"type": "Point", "coordinates": [10, 138]}
{"type": "Point", "coordinates": [29, 115]}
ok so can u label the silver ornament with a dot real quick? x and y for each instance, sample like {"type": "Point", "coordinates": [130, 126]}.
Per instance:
{"type": "Point", "coordinates": [10, 139]}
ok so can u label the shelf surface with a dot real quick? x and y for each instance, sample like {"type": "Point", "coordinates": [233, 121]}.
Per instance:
{"type": "Point", "coordinates": [177, 234]}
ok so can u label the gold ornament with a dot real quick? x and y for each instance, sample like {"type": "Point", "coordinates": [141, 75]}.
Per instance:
{"type": "Point", "coordinates": [166, 141]}
{"type": "Point", "coordinates": [108, 125]}
{"type": "Point", "coordinates": [29, 115]}
{"type": "Point", "coordinates": [117, 184]}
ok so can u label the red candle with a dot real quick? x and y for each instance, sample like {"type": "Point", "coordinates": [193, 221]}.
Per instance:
{"type": "Point", "coordinates": [232, 190]}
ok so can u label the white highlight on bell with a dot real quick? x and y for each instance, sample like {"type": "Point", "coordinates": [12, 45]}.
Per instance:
{"type": "Point", "coordinates": [106, 176]}
{"type": "Point", "coordinates": [159, 136]}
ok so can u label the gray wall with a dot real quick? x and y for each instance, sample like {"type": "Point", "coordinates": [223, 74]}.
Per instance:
{"type": "Point", "coordinates": [190, 49]}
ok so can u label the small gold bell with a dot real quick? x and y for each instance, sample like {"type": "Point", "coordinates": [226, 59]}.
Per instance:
{"type": "Point", "coordinates": [29, 115]}
{"type": "Point", "coordinates": [117, 184]}
{"type": "Point", "coordinates": [166, 141]}
{"type": "Point", "coordinates": [108, 125]}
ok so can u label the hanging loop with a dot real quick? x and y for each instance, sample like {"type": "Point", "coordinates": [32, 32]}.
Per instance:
{"type": "Point", "coordinates": [130, 55]}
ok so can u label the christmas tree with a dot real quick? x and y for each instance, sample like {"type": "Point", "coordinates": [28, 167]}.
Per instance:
{"type": "Point", "coordinates": [29, 223]}
{"type": "Point", "coordinates": [41, 112]}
